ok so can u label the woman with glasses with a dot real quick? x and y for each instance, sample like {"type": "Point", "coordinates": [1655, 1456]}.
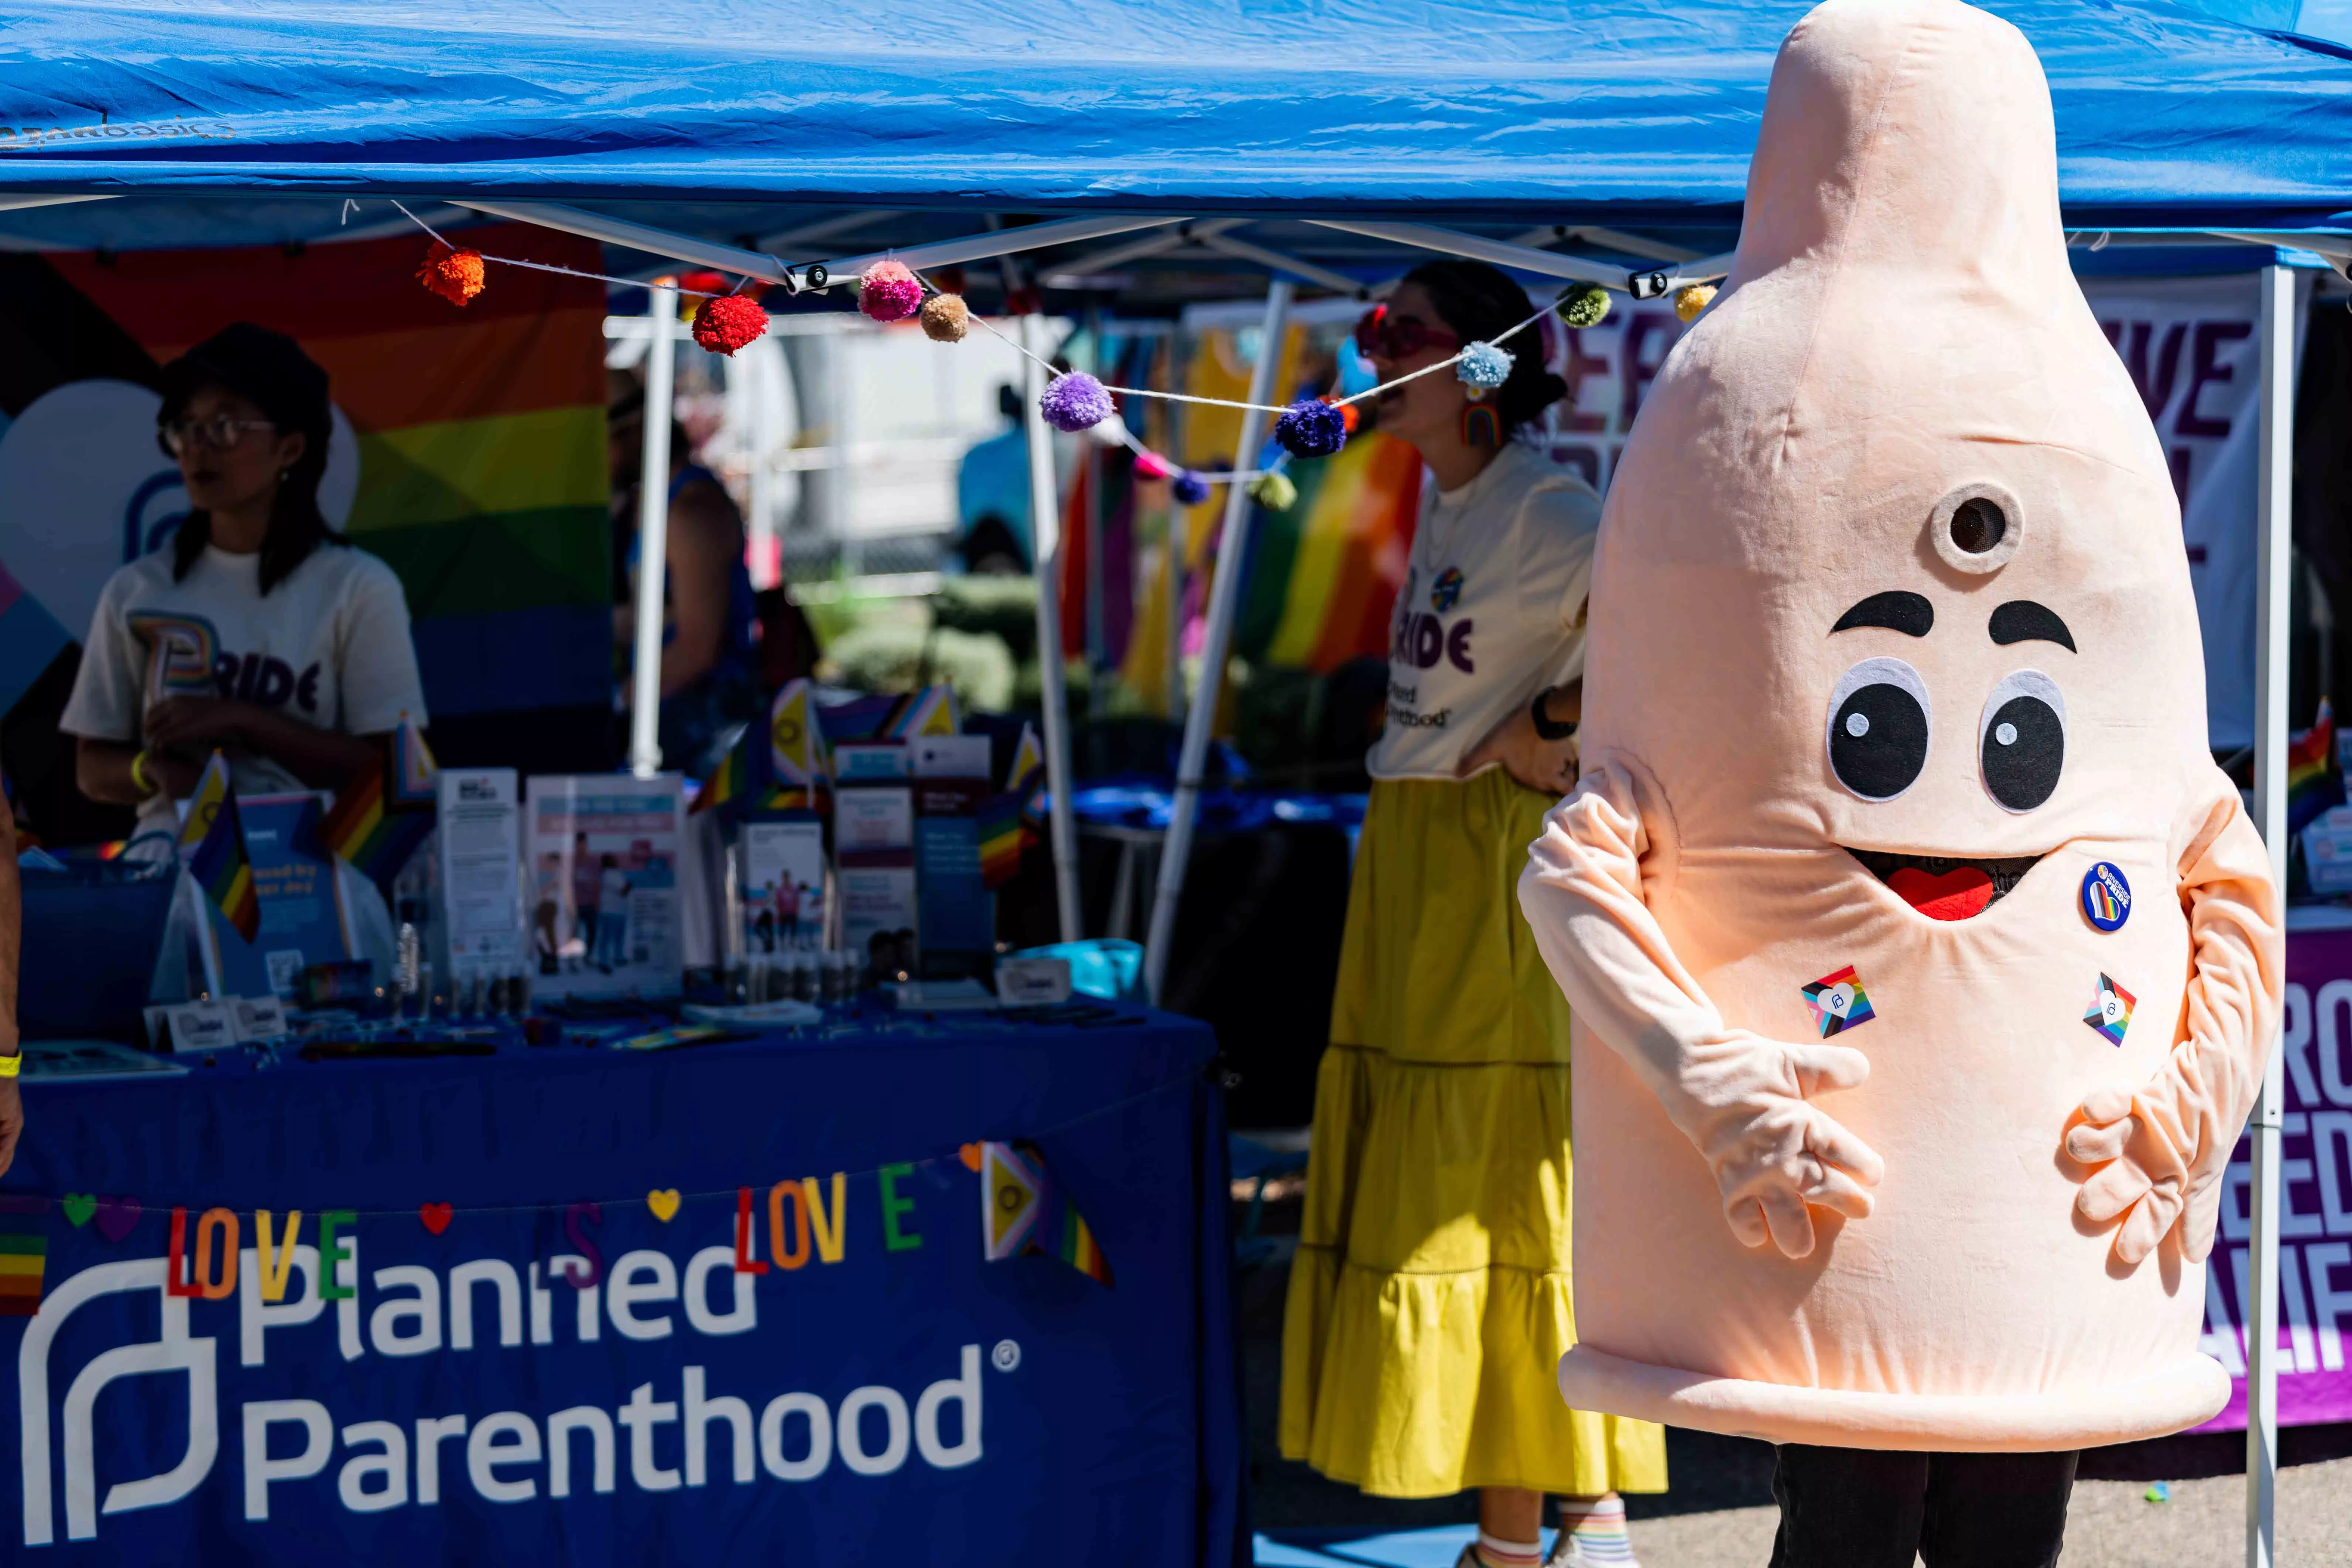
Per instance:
{"type": "Point", "coordinates": [1429, 1300]}
{"type": "Point", "coordinates": [257, 629]}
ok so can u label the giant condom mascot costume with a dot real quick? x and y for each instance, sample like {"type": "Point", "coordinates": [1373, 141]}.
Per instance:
{"type": "Point", "coordinates": [1923, 962]}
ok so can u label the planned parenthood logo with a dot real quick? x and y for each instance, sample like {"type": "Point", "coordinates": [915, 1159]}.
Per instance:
{"type": "Point", "coordinates": [679, 1429]}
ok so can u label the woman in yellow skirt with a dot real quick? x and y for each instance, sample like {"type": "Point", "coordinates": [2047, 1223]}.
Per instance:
{"type": "Point", "coordinates": [1429, 1301]}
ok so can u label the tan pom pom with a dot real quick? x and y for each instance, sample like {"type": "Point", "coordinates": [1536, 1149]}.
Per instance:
{"type": "Point", "coordinates": [1692, 299]}
{"type": "Point", "coordinates": [945, 319]}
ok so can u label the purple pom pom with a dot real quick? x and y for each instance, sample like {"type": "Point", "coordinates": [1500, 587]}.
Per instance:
{"type": "Point", "coordinates": [1311, 428]}
{"type": "Point", "coordinates": [1074, 402]}
{"type": "Point", "coordinates": [1189, 488]}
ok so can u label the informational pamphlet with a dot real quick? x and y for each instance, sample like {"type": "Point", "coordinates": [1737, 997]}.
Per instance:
{"type": "Point", "coordinates": [480, 845]}
{"type": "Point", "coordinates": [781, 876]}
{"type": "Point", "coordinates": [303, 918]}
{"type": "Point", "coordinates": [603, 855]}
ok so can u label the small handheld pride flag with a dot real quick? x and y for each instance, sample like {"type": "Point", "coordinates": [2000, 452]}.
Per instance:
{"type": "Point", "coordinates": [212, 841]}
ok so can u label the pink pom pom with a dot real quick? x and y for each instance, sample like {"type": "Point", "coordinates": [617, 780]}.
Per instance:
{"type": "Point", "coordinates": [889, 292]}
{"type": "Point", "coordinates": [1152, 465]}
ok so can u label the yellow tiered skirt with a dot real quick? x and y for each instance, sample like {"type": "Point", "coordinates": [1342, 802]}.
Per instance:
{"type": "Point", "coordinates": [1429, 1301]}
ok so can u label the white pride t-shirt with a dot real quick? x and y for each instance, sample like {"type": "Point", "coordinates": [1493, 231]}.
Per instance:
{"type": "Point", "coordinates": [1492, 610]}
{"type": "Point", "coordinates": [329, 644]}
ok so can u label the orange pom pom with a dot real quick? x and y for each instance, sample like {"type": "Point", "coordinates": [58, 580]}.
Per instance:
{"type": "Point", "coordinates": [454, 275]}
{"type": "Point", "coordinates": [1349, 416]}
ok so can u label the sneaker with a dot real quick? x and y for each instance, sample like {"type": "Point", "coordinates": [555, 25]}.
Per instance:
{"type": "Point", "coordinates": [1568, 1553]}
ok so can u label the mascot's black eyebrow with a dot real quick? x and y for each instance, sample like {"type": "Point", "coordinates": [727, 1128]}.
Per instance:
{"type": "Point", "coordinates": [1897, 610]}
{"type": "Point", "coordinates": [2023, 620]}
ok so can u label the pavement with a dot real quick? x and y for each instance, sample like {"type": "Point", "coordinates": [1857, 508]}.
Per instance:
{"type": "Point", "coordinates": [1719, 1512]}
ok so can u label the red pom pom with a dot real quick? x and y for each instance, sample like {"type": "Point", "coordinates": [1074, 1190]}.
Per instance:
{"type": "Point", "coordinates": [454, 275]}
{"type": "Point", "coordinates": [727, 322]}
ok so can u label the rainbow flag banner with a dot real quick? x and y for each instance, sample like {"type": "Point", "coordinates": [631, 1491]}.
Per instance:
{"type": "Point", "coordinates": [212, 841]}
{"type": "Point", "coordinates": [23, 1255]}
{"type": "Point", "coordinates": [469, 453]}
{"type": "Point", "coordinates": [1024, 1214]}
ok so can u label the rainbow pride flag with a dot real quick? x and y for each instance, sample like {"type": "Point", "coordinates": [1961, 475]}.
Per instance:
{"type": "Point", "coordinates": [480, 439]}
{"type": "Point", "coordinates": [1024, 1214]}
{"type": "Point", "coordinates": [23, 1255]}
{"type": "Point", "coordinates": [2313, 783]}
{"type": "Point", "coordinates": [375, 823]}
{"type": "Point", "coordinates": [1000, 838]}
{"type": "Point", "coordinates": [731, 780]}
{"type": "Point", "coordinates": [212, 841]}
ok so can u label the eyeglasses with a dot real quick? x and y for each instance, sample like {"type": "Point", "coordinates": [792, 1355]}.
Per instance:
{"type": "Point", "coordinates": [220, 433]}
{"type": "Point", "coordinates": [1384, 336]}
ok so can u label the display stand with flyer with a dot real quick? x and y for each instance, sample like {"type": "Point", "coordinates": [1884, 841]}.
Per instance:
{"type": "Point", "coordinates": [603, 851]}
{"type": "Point", "coordinates": [478, 849]}
{"type": "Point", "coordinates": [305, 914]}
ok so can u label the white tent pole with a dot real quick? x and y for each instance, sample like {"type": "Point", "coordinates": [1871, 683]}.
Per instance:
{"type": "Point", "coordinates": [1045, 551]}
{"type": "Point", "coordinates": [653, 534]}
{"type": "Point", "coordinates": [2277, 440]}
{"type": "Point", "coordinates": [1224, 606]}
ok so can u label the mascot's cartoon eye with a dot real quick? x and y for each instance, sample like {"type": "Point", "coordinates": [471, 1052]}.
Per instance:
{"type": "Point", "coordinates": [2022, 740]}
{"type": "Point", "coordinates": [1878, 728]}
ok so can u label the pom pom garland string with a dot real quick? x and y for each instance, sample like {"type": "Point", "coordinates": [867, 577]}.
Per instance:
{"type": "Point", "coordinates": [1690, 301]}
{"type": "Point", "coordinates": [1188, 488]}
{"type": "Point", "coordinates": [946, 318]}
{"type": "Point", "coordinates": [1583, 305]}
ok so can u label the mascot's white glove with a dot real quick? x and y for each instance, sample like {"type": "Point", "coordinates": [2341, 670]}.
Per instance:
{"type": "Point", "coordinates": [2162, 1149]}
{"type": "Point", "coordinates": [1744, 1101]}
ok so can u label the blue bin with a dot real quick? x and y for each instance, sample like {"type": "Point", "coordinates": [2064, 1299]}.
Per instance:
{"type": "Point", "coordinates": [92, 930]}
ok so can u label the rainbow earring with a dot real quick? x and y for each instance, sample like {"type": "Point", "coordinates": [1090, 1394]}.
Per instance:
{"type": "Point", "coordinates": [1480, 427]}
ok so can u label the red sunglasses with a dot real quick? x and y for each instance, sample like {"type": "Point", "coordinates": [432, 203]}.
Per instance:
{"type": "Point", "coordinates": [1382, 336]}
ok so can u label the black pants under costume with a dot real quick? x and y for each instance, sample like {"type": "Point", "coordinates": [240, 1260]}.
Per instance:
{"type": "Point", "coordinates": [1857, 1508]}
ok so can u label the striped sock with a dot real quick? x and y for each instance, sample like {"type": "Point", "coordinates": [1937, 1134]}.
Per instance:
{"type": "Point", "coordinates": [1495, 1552]}
{"type": "Point", "coordinates": [1596, 1529]}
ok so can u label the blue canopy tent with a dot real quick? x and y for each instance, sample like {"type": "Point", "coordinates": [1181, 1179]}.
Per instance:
{"type": "Point", "coordinates": [1327, 143]}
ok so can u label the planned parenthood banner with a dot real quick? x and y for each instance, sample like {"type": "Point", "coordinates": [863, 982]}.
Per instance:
{"type": "Point", "coordinates": [793, 1371]}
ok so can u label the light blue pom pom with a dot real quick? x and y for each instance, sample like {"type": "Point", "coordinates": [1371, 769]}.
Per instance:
{"type": "Point", "coordinates": [1483, 365]}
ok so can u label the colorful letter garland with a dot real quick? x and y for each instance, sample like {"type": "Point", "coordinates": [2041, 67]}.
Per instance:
{"type": "Point", "coordinates": [1026, 1213]}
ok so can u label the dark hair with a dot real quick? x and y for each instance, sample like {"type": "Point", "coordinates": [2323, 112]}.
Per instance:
{"type": "Point", "coordinates": [1478, 302]}
{"type": "Point", "coordinates": [270, 370]}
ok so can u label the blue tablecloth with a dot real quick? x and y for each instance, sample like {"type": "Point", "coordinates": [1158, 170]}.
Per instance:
{"type": "Point", "coordinates": [908, 1403]}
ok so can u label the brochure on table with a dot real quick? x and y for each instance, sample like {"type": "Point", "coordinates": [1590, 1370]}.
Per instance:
{"type": "Point", "coordinates": [304, 916]}
{"type": "Point", "coordinates": [480, 845]}
{"type": "Point", "coordinates": [874, 842]}
{"type": "Point", "coordinates": [603, 851]}
{"type": "Point", "coordinates": [956, 924]}
{"type": "Point", "coordinates": [781, 880]}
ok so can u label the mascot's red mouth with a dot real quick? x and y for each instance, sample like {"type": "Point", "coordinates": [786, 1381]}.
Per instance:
{"type": "Point", "coordinates": [1945, 887]}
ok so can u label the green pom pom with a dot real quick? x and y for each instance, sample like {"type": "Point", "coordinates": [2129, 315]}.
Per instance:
{"type": "Point", "coordinates": [1583, 305]}
{"type": "Point", "coordinates": [1273, 491]}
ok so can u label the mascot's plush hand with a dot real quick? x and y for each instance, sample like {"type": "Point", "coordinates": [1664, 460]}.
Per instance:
{"type": "Point", "coordinates": [2161, 1153]}
{"type": "Point", "coordinates": [1746, 1102]}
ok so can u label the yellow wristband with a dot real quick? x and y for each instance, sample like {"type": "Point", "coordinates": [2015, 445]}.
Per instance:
{"type": "Point", "coordinates": [10, 1063]}
{"type": "Point", "coordinates": [139, 773]}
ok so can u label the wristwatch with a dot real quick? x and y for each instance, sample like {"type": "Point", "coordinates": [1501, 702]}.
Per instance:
{"type": "Point", "coordinates": [1547, 728]}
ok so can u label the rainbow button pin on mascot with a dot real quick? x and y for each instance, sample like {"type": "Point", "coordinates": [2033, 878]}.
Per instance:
{"type": "Point", "coordinates": [1923, 962]}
